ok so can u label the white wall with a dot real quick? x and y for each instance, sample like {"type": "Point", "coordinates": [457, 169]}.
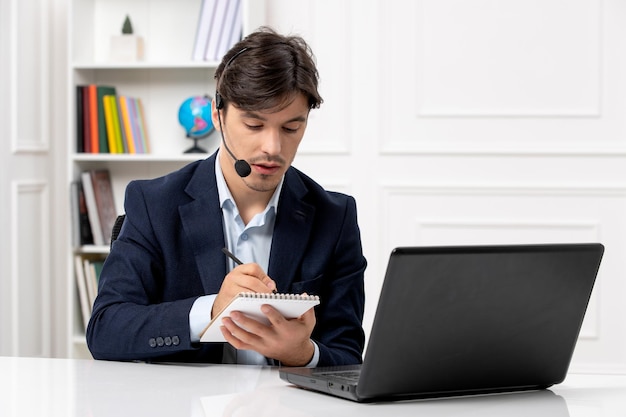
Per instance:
{"type": "Point", "coordinates": [464, 122]}
{"type": "Point", "coordinates": [450, 121]}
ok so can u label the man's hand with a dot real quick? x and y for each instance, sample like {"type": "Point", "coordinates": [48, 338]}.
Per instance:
{"type": "Point", "coordinates": [243, 278]}
{"type": "Point", "coordinates": [286, 340]}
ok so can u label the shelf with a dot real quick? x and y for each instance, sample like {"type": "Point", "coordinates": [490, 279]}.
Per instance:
{"type": "Point", "coordinates": [162, 80]}
{"type": "Point", "coordinates": [107, 157]}
{"type": "Point", "coordinates": [92, 249]}
{"type": "Point", "coordinates": [144, 65]}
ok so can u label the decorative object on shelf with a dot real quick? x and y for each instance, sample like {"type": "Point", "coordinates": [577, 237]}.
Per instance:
{"type": "Point", "coordinates": [127, 46]}
{"type": "Point", "coordinates": [194, 115]}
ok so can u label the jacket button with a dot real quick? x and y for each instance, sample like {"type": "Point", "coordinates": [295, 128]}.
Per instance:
{"type": "Point", "coordinates": [152, 342]}
{"type": "Point", "coordinates": [160, 341]}
{"type": "Point", "coordinates": [175, 340]}
{"type": "Point", "coordinates": [168, 341]}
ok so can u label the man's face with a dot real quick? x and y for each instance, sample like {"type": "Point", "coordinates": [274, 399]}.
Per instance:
{"type": "Point", "coordinates": [267, 140]}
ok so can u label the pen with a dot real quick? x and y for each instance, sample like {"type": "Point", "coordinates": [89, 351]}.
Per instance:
{"type": "Point", "coordinates": [232, 256]}
{"type": "Point", "coordinates": [237, 260]}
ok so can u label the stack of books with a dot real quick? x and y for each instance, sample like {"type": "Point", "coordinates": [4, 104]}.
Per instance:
{"type": "Point", "coordinates": [109, 123]}
{"type": "Point", "coordinates": [93, 208]}
{"type": "Point", "coordinates": [87, 269]}
{"type": "Point", "coordinates": [220, 26]}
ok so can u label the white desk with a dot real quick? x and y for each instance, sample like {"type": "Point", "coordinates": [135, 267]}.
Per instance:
{"type": "Point", "coordinates": [66, 387]}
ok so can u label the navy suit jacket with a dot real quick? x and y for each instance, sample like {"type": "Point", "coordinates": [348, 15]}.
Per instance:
{"type": "Point", "coordinates": [168, 253]}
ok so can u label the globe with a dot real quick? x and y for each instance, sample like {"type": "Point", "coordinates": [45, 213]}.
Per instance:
{"type": "Point", "coordinates": [194, 115]}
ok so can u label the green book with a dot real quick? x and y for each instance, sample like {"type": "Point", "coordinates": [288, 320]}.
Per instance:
{"type": "Point", "coordinates": [103, 141]}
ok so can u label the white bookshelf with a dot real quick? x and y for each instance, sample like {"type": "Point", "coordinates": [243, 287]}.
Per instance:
{"type": "Point", "coordinates": [163, 79]}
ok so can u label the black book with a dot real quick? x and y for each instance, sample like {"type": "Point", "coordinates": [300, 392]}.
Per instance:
{"type": "Point", "coordinates": [80, 122]}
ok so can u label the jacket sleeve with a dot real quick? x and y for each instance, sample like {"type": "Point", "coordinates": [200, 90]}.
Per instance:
{"type": "Point", "coordinates": [135, 316]}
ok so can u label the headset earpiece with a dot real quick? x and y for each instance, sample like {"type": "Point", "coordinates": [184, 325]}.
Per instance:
{"type": "Point", "coordinates": [219, 101]}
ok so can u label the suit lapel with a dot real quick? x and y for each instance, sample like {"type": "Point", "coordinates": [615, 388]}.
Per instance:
{"type": "Point", "coordinates": [202, 222]}
{"type": "Point", "coordinates": [291, 232]}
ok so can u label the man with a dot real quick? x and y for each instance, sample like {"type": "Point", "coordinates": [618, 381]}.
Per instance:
{"type": "Point", "coordinates": [166, 275]}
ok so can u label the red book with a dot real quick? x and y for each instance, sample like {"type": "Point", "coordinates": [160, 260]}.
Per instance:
{"type": "Point", "coordinates": [86, 121]}
{"type": "Point", "coordinates": [93, 118]}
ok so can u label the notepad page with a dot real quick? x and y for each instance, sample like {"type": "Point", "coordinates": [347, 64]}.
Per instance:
{"type": "Point", "coordinates": [289, 305]}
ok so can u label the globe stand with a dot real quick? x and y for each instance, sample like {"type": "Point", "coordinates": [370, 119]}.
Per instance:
{"type": "Point", "coordinates": [195, 148]}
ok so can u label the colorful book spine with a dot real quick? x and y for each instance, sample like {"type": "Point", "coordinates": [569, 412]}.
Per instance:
{"type": "Point", "coordinates": [125, 122]}
{"type": "Point", "coordinates": [122, 139]}
{"type": "Point", "coordinates": [103, 141]}
{"type": "Point", "coordinates": [110, 123]}
{"type": "Point", "coordinates": [93, 119]}
{"type": "Point", "coordinates": [119, 148]}
{"type": "Point", "coordinates": [143, 126]}
{"type": "Point", "coordinates": [86, 121]}
{"type": "Point", "coordinates": [134, 124]}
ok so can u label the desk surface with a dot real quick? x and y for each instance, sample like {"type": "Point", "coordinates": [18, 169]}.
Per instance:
{"type": "Point", "coordinates": [67, 387]}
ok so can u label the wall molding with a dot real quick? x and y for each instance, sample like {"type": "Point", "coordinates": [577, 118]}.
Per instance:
{"type": "Point", "coordinates": [39, 259]}
{"type": "Point", "coordinates": [36, 141]}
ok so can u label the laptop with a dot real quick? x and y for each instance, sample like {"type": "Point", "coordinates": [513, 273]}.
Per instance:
{"type": "Point", "coordinates": [466, 320]}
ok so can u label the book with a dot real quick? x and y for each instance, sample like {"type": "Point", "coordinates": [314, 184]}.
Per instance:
{"type": "Point", "coordinates": [74, 213]}
{"type": "Point", "coordinates": [105, 201]}
{"type": "Point", "coordinates": [90, 280]}
{"type": "Point", "coordinates": [80, 219]}
{"type": "Point", "coordinates": [123, 141]}
{"type": "Point", "coordinates": [86, 121]}
{"type": "Point", "coordinates": [81, 285]}
{"type": "Point", "coordinates": [217, 29]}
{"type": "Point", "coordinates": [125, 123]}
{"type": "Point", "coordinates": [87, 268]}
{"type": "Point", "coordinates": [80, 120]}
{"type": "Point", "coordinates": [134, 124]}
{"type": "Point", "coordinates": [289, 305]}
{"type": "Point", "coordinates": [101, 91]}
{"type": "Point", "coordinates": [145, 139]}
{"type": "Point", "coordinates": [115, 111]}
{"type": "Point", "coordinates": [231, 19]}
{"type": "Point", "coordinates": [110, 124]}
{"type": "Point", "coordinates": [236, 32]}
{"type": "Point", "coordinates": [92, 208]}
{"type": "Point", "coordinates": [94, 141]}
{"type": "Point", "coordinates": [100, 204]}
{"type": "Point", "coordinates": [204, 28]}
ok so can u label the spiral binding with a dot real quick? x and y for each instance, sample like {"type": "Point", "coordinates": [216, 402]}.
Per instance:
{"type": "Point", "coordinates": [279, 296]}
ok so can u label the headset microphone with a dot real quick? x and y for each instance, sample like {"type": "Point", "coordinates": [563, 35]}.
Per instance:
{"type": "Point", "coordinates": [242, 167]}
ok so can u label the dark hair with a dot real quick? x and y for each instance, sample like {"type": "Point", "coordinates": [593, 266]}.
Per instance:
{"type": "Point", "coordinates": [267, 70]}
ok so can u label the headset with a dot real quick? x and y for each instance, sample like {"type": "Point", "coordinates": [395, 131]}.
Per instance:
{"type": "Point", "coordinates": [242, 167]}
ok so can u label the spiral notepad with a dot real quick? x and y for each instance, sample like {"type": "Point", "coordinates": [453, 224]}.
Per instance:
{"type": "Point", "coordinates": [289, 305]}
